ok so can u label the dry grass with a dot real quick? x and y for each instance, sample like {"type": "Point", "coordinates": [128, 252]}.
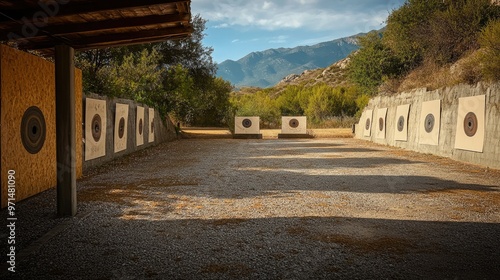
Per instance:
{"type": "Point", "coordinates": [206, 133]}
{"type": "Point", "coordinates": [429, 75]}
{"type": "Point", "coordinates": [433, 76]}
{"type": "Point", "coordinates": [332, 133]}
{"type": "Point", "coordinates": [218, 133]}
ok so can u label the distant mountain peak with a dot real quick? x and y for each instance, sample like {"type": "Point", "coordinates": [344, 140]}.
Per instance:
{"type": "Point", "coordinates": [267, 68]}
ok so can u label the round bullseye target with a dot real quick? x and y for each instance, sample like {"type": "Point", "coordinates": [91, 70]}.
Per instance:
{"type": "Point", "coordinates": [401, 123]}
{"type": "Point", "coordinates": [470, 124]}
{"type": "Point", "coordinates": [247, 123]}
{"type": "Point", "coordinates": [293, 123]}
{"type": "Point", "coordinates": [368, 122]}
{"type": "Point", "coordinates": [121, 127]}
{"type": "Point", "coordinates": [33, 130]}
{"type": "Point", "coordinates": [381, 124]}
{"type": "Point", "coordinates": [429, 123]}
{"type": "Point", "coordinates": [96, 127]}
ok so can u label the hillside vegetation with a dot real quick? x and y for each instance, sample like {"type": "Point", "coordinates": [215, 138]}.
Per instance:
{"type": "Point", "coordinates": [266, 68]}
{"type": "Point", "coordinates": [431, 44]}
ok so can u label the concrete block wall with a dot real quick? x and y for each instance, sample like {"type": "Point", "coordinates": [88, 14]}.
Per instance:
{"type": "Point", "coordinates": [164, 130]}
{"type": "Point", "coordinates": [490, 157]}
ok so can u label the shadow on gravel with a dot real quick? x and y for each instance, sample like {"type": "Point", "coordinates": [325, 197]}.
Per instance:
{"type": "Point", "coordinates": [271, 182]}
{"type": "Point", "coordinates": [331, 161]}
{"type": "Point", "coordinates": [103, 246]}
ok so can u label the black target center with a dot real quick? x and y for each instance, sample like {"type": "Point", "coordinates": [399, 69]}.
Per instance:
{"type": "Point", "coordinates": [33, 130]}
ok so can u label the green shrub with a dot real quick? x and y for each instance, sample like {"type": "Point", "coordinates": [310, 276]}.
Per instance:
{"type": "Point", "coordinates": [454, 30]}
{"type": "Point", "coordinates": [489, 40]}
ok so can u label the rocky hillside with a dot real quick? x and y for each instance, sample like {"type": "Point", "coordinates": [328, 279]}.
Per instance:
{"type": "Point", "coordinates": [267, 68]}
{"type": "Point", "coordinates": [333, 75]}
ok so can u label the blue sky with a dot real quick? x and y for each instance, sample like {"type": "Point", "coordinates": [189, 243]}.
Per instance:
{"type": "Point", "coordinates": [236, 28]}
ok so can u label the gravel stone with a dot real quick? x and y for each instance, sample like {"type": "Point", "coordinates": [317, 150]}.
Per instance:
{"type": "Point", "coordinates": [267, 209]}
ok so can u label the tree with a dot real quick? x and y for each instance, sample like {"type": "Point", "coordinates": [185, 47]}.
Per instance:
{"type": "Point", "coordinates": [137, 76]}
{"type": "Point", "coordinates": [372, 63]}
{"type": "Point", "coordinates": [408, 29]}
{"type": "Point", "coordinates": [490, 55]}
{"type": "Point", "coordinates": [175, 76]}
{"type": "Point", "coordinates": [190, 52]}
{"type": "Point", "coordinates": [454, 29]}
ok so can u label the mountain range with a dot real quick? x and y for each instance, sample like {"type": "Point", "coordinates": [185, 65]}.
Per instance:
{"type": "Point", "coordinates": [266, 68]}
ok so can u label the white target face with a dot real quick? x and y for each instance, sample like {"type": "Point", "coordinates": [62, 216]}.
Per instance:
{"type": "Point", "coordinates": [95, 128]}
{"type": "Point", "coordinates": [430, 123]}
{"type": "Point", "coordinates": [121, 127]}
{"type": "Point", "coordinates": [401, 121]}
{"type": "Point", "coordinates": [380, 123]}
{"type": "Point", "coordinates": [294, 125]}
{"type": "Point", "coordinates": [151, 136]}
{"type": "Point", "coordinates": [139, 126]}
{"type": "Point", "coordinates": [247, 125]}
{"type": "Point", "coordinates": [471, 123]}
{"type": "Point", "coordinates": [367, 123]}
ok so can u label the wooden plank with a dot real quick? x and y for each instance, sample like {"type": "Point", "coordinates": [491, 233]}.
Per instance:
{"type": "Point", "coordinates": [82, 7]}
{"type": "Point", "coordinates": [115, 24]}
{"type": "Point", "coordinates": [111, 39]}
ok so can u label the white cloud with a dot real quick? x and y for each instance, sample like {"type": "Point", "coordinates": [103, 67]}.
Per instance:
{"type": "Point", "coordinates": [279, 40]}
{"type": "Point", "coordinates": [294, 14]}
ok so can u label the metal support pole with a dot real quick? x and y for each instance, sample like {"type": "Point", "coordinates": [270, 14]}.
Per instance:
{"type": "Point", "coordinates": [65, 131]}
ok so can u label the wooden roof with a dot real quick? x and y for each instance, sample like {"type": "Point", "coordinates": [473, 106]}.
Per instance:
{"type": "Point", "coordinates": [88, 24]}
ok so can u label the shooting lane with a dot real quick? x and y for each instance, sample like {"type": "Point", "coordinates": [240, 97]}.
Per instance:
{"type": "Point", "coordinates": [83, 25]}
{"type": "Point", "coordinates": [28, 123]}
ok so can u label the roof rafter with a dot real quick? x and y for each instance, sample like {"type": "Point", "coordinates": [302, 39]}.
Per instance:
{"type": "Point", "coordinates": [75, 8]}
{"type": "Point", "coordinates": [58, 30]}
{"type": "Point", "coordinates": [112, 39]}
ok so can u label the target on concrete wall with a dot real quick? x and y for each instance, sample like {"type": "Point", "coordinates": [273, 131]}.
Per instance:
{"type": "Point", "coordinates": [121, 127]}
{"type": "Point", "coordinates": [139, 126]}
{"type": "Point", "coordinates": [294, 125]}
{"type": "Point", "coordinates": [367, 123]}
{"type": "Point", "coordinates": [381, 123]}
{"type": "Point", "coordinates": [471, 123]}
{"type": "Point", "coordinates": [95, 128]}
{"type": "Point", "coordinates": [401, 129]}
{"type": "Point", "coordinates": [247, 125]}
{"type": "Point", "coordinates": [151, 117]}
{"type": "Point", "coordinates": [430, 123]}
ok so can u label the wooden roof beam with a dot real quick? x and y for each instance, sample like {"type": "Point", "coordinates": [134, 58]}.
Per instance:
{"type": "Point", "coordinates": [111, 39]}
{"type": "Point", "coordinates": [74, 8]}
{"type": "Point", "coordinates": [65, 29]}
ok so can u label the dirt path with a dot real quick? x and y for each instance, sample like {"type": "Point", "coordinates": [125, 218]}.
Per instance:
{"type": "Point", "coordinates": [275, 209]}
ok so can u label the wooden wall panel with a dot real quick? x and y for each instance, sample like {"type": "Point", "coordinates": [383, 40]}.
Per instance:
{"type": "Point", "coordinates": [25, 81]}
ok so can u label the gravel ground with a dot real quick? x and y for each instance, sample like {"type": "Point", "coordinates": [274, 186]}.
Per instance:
{"type": "Point", "coordinates": [267, 209]}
